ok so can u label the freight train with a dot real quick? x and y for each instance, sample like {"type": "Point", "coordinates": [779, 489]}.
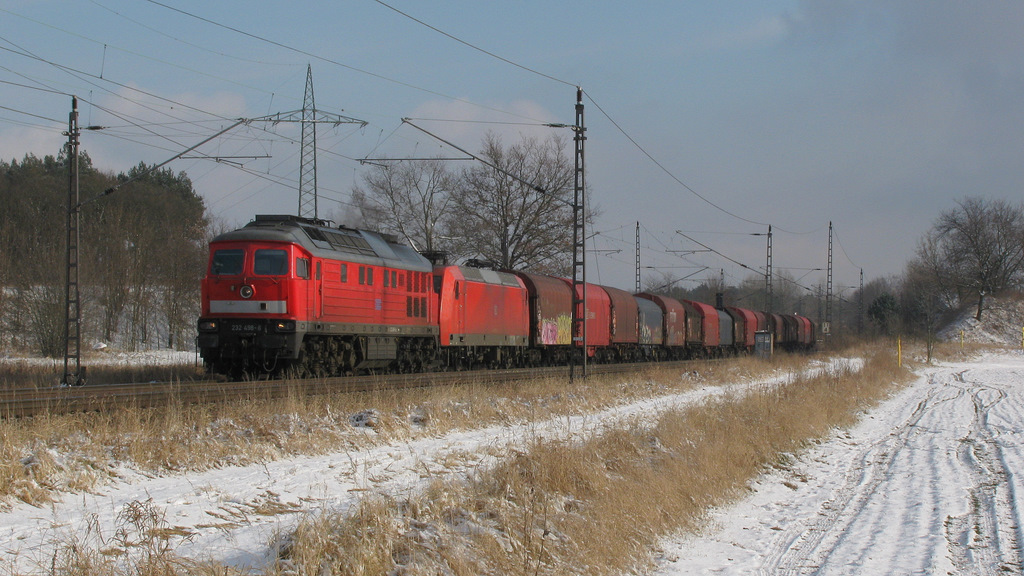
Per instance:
{"type": "Point", "coordinates": [290, 295]}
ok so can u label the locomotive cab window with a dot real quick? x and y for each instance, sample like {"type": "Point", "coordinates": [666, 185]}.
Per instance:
{"type": "Point", "coordinates": [271, 263]}
{"type": "Point", "coordinates": [227, 262]}
{"type": "Point", "coordinates": [302, 268]}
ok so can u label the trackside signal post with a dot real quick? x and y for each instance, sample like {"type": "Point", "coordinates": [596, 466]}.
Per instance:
{"type": "Point", "coordinates": [579, 248]}
{"type": "Point", "coordinates": [72, 307]}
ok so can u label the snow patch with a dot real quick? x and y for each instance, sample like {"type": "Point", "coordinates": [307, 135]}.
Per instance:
{"type": "Point", "coordinates": [1001, 323]}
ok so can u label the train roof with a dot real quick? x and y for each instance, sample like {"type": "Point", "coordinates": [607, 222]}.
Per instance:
{"type": "Point", "coordinates": [349, 244]}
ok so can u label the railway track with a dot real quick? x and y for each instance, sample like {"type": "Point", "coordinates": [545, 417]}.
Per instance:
{"type": "Point", "coordinates": [27, 402]}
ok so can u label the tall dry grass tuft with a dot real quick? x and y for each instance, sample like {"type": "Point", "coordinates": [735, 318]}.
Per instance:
{"type": "Point", "coordinates": [599, 506]}
{"type": "Point", "coordinates": [21, 375]}
{"type": "Point", "coordinates": [142, 544]}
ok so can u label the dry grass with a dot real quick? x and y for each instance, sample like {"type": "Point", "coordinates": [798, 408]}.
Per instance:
{"type": "Point", "coordinates": [555, 508]}
{"type": "Point", "coordinates": [69, 453]}
{"type": "Point", "coordinates": [596, 507]}
{"type": "Point", "coordinates": [140, 545]}
{"type": "Point", "coordinates": [22, 375]}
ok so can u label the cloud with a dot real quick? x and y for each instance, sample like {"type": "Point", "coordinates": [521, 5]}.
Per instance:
{"type": "Point", "coordinates": [18, 141]}
{"type": "Point", "coordinates": [762, 32]}
{"type": "Point", "coordinates": [151, 129]}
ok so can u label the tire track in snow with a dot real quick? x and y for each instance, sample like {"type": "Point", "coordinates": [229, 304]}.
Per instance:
{"type": "Point", "coordinates": [806, 547]}
{"type": "Point", "coordinates": [986, 539]}
{"type": "Point", "coordinates": [940, 483]}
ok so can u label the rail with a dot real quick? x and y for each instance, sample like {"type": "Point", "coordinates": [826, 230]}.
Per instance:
{"type": "Point", "coordinates": [27, 402]}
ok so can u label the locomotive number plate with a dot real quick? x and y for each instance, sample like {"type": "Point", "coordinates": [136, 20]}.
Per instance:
{"type": "Point", "coordinates": [244, 328]}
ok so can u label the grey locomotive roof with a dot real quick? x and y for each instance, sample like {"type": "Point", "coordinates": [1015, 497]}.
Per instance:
{"type": "Point", "coordinates": [350, 245]}
{"type": "Point", "coordinates": [489, 276]}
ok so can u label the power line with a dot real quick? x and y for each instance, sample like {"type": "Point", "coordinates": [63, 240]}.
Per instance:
{"type": "Point", "coordinates": [326, 59]}
{"type": "Point", "coordinates": [666, 170]}
{"type": "Point", "coordinates": [79, 75]}
{"type": "Point", "coordinates": [185, 42]}
{"type": "Point", "coordinates": [606, 115]}
{"type": "Point", "coordinates": [475, 47]}
{"type": "Point", "coordinates": [843, 249]}
{"type": "Point", "coordinates": [30, 114]}
{"type": "Point", "coordinates": [133, 53]}
{"type": "Point", "coordinates": [737, 262]}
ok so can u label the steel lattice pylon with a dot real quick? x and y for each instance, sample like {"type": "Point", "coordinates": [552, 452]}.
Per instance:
{"type": "Point", "coordinates": [309, 117]}
{"type": "Point", "coordinates": [307, 174]}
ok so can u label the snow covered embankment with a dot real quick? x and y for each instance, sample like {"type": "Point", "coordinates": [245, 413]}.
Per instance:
{"type": "Point", "coordinates": [931, 482]}
{"type": "Point", "coordinates": [233, 515]}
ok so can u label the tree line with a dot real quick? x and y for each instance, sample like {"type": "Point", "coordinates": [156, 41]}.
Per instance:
{"type": "Point", "coordinates": [143, 249]}
{"type": "Point", "coordinates": [973, 253]}
{"type": "Point", "coordinates": [141, 255]}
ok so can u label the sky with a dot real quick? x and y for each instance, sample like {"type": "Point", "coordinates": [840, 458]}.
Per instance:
{"type": "Point", "coordinates": [711, 120]}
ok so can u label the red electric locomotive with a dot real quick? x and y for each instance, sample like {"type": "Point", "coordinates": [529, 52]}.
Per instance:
{"type": "Point", "coordinates": [286, 292]}
{"type": "Point", "coordinates": [484, 317]}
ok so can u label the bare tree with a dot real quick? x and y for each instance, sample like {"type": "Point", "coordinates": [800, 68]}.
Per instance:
{"type": "Point", "coordinates": [5, 281]}
{"type": "Point", "coordinates": [520, 214]}
{"type": "Point", "coordinates": [979, 247]}
{"type": "Point", "coordinates": [408, 198]}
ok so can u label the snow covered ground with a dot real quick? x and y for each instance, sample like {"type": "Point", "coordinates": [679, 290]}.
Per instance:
{"type": "Point", "coordinates": [234, 515]}
{"type": "Point", "coordinates": [930, 483]}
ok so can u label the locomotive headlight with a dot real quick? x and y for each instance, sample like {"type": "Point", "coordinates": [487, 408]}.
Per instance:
{"type": "Point", "coordinates": [208, 325]}
{"type": "Point", "coordinates": [245, 291]}
{"type": "Point", "coordinates": [286, 326]}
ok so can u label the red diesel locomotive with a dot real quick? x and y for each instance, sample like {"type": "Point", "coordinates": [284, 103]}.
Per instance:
{"type": "Point", "coordinates": [286, 293]}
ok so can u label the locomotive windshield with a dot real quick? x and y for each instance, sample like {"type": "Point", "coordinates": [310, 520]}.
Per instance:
{"type": "Point", "coordinates": [227, 262]}
{"type": "Point", "coordinates": [270, 263]}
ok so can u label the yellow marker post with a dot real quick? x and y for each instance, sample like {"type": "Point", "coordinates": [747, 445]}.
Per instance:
{"type": "Point", "coordinates": [961, 340]}
{"type": "Point", "coordinates": [899, 352]}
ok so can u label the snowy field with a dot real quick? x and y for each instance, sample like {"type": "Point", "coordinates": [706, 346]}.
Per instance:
{"type": "Point", "coordinates": [928, 483]}
{"type": "Point", "coordinates": [931, 482]}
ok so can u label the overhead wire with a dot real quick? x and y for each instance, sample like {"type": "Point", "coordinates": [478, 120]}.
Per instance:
{"type": "Point", "coordinates": [477, 48]}
{"type": "Point", "coordinates": [79, 74]}
{"type": "Point", "coordinates": [842, 248]}
{"type": "Point", "coordinates": [129, 120]}
{"type": "Point", "coordinates": [326, 59]}
{"type": "Point", "coordinates": [734, 261]}
{"type": "Point", "coordinates": [186, 42]}
{"type": "Point", "coordinates": [132, 52]}
{"type": "Point", "coordinates": [270, 41]}
{"type": "Point", "coordinates": [30, 114]}
{"type": "Point", "coordinates": [125, 118]}
{"type": "Point", "coordinates": [621, 130]}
